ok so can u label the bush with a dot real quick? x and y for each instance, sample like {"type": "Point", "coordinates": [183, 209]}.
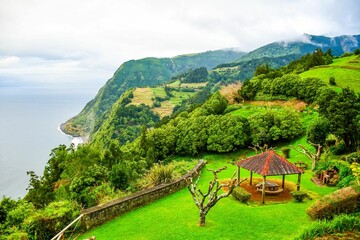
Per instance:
{"type": "Point", "coordinates": [156, 104]}
{"type": "Point", "coordinates": [286, 152]}
{"type": "Point", "coordinates": [299, 196]}
{"type": "Point", "coordinates": [332, 81]}
{"type": "Point", "coordinates": [161, 174]}
{"type": "Point", "coordinates": [46, 223]}
{"type": "Point", "coordinates": [353, 157]}
{"type": "Point", "coordinates": [346, 181]}
{"type": "Point", "coordinates": [345, 200]}
{"type": "Point", "coordinates": [338, 149]}
{"type": "Point", "coordinates": [340, 223]}
{"type": "Point", "coordinates": [241, 194]}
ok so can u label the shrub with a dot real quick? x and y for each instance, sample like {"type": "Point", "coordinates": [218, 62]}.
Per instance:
{"type": "Point", "coordinates": [353, 157]}
{"type": "Point", "coordinates": [338, 149]}
{"type": "Point", "coordinates": [340, 223]}
{"type": "Point", "coordinates": [346, 181]}
{"type": "Point", "coordinates": [156, 104]}
{"type": "Point", "coordinates": [161, 174]}
{"type": "Point", "coordinates": [299, 196]}
{"type": "Point", "coordinates": [345, 200]}
{"type": "Point", "coordinates": [286, 152]}
{"type": "Point", "coordinates": [332, 81]}
{"type": "Point", "coordinates": [46, 223]}
{"type": "Point", "coordinates": [241, 194]}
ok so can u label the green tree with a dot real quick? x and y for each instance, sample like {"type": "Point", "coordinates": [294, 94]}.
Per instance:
{"type": "Point", "coordinates": [318, 130]}
{"type": "Point", "coordinates": [120, 176]}
{"type": "Point", "coordinates": [342, 110]}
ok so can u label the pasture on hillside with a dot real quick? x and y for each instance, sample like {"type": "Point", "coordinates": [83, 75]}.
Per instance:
{"type": "Point", "coordinates": [149, 96]}
{"type": "Point", "coordinates": [345, 70]}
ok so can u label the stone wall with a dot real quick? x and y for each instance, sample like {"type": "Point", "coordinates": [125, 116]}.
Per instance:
{"type": "Point", "coordinates": [99, 214]}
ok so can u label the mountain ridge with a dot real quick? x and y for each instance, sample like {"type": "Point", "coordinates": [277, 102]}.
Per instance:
{"type": "Point", "coordinates": [137, 73]}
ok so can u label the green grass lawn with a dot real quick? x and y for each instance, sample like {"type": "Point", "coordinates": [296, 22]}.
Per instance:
{"type": "Point", "coordinates": [176, 216]}
{"type": "Point", "coordinates": [345, 70]}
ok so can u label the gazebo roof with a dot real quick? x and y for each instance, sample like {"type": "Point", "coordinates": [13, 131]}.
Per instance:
{"type": "Point", "coordinates": [269, 164]}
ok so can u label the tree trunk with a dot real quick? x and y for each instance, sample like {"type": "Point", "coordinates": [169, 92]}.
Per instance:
{"type": "Point", "coordinates": [313, 165]}
{"type": "Point", "coordinates": [202, 218]}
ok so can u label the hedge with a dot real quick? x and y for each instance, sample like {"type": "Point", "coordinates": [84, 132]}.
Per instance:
{"type": "Point", "coordinates": [345, 200]}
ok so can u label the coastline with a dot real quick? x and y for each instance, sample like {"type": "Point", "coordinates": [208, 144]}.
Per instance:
{"type": "Point", "coordinates": [76, 139]}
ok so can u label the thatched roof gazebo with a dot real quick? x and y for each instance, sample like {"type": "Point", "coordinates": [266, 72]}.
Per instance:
{"type": "Point", "coordinates": [269, 164]}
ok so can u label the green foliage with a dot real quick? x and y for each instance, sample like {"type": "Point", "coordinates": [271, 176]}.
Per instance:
{"type": "Point", "coordinates": [353, 157]}
{"type": "Point", "coordinates": [286, 151]}
{"type": "Point", "coordinates": [318, 130]}
{"type": "Point", "coordinates": [46, 223]}
{"type": "Point", "coordinates": [159, 174]}
{"type": "Point", "coordinates": [262, 69]}
{"type": "Point", "coordinates": [289, 85]}
{"type": "Point", "coordinates": [196, 75]}
{"type": "Point", "coordinates": [39, 192]}
{"type": "Point", "coordinates": [6, 205]}
{"type": "Point", "coordinates": [241, 194]}
{"type": "Point", "coordinates": [124, 122]}
{"type": "Point", "coordinates": [81, 186]}
{"type": "Point", "coordinates": [341, 223]}
{"type": "Point", "coordinates": [273, 126]}
{"type": "Point", "coordinates": [299, 196]}
{"type": "Point", "coordinates": [344, 200]}
{"type": "Point", "coordinates": [120, 176]}
{"type": "Point", "coordinates": [355, 168]}
{"type": "Point", "coordinates": [332, 81]}
{"type": "Point", "coordinates": [343, 112]}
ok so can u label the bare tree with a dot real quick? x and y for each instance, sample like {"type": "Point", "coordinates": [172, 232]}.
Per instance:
{"type": "Point", "coordinates": [212, 193]}
{"type": "Point", "coordinates": [314, 157]}
{"type": "Point", "coordinates": [257, 147]}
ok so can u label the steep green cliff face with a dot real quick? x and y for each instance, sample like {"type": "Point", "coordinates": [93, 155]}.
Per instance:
{"type": "Point", "coordinates": [140, 73]}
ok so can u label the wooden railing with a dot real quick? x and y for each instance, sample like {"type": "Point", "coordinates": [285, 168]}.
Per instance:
{"type": "Point", "coordinates": [62, 232]}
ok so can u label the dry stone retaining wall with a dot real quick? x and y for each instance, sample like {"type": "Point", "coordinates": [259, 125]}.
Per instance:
{"type": "Point", "coordinates": [100, 214]}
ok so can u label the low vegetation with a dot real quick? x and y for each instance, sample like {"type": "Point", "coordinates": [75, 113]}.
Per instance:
{"type": "Point", "coordinates": [345, 200]}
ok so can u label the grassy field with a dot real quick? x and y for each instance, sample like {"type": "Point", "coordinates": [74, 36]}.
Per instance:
{"type": "Point", "coordinates": [178, 84]}
{"type": "Point", "coordinates": [345, 70]}
{"type": "Point", "coordinates": [147, 96]}
{"type": "Point", "coordinates": [176, 216]}
{"type": "Point", "coordinates": [143, 95]}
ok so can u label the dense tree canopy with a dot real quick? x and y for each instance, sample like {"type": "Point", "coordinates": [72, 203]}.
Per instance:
{"type": "Point", "coordinates": [343, 112]}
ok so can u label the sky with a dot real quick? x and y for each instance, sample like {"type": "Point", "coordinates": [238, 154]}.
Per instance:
{"type": "Point", "coordinates": [82, 42]}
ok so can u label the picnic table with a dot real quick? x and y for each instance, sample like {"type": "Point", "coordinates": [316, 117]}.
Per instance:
{"type": "Point", "coordinates": [270, 187]}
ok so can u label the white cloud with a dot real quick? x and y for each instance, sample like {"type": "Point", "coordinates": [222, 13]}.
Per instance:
{"type": "Point", "coordinates": [77, 38]}
{"type": "Point", "coordinates": [7, 61]}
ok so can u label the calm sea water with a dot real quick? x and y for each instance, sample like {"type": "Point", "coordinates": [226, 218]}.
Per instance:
{"type": "Point", "coordinates": [29, 121]}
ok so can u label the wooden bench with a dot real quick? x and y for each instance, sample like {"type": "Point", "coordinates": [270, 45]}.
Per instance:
{"type": "Point", "coordinates": [272, 191]}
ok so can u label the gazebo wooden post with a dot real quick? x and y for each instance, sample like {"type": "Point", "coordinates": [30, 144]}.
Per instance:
{"type": "Point", "coordinates": [251, 178]}
{"type": "Point", "coordinates": [238, 175]}
{"type": "Point", "coordinates": [283, 181]}
{"type": "Point", "coordinates": [298, 183]}
{"type": "Point", "coordinates": [263, 190]}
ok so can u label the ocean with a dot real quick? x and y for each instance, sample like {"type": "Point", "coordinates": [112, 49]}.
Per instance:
{"type": "Point", "coordinates": [29, 129]}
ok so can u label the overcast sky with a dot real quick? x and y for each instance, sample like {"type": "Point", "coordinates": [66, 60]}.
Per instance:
{"type": "Point", "coordinates": [78, 41]}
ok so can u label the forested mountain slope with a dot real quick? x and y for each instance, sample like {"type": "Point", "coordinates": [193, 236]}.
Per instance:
{"type": "Point", "coordinates": [281, 53]}
{"type": "Point", "coordinates": [138, 73]}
